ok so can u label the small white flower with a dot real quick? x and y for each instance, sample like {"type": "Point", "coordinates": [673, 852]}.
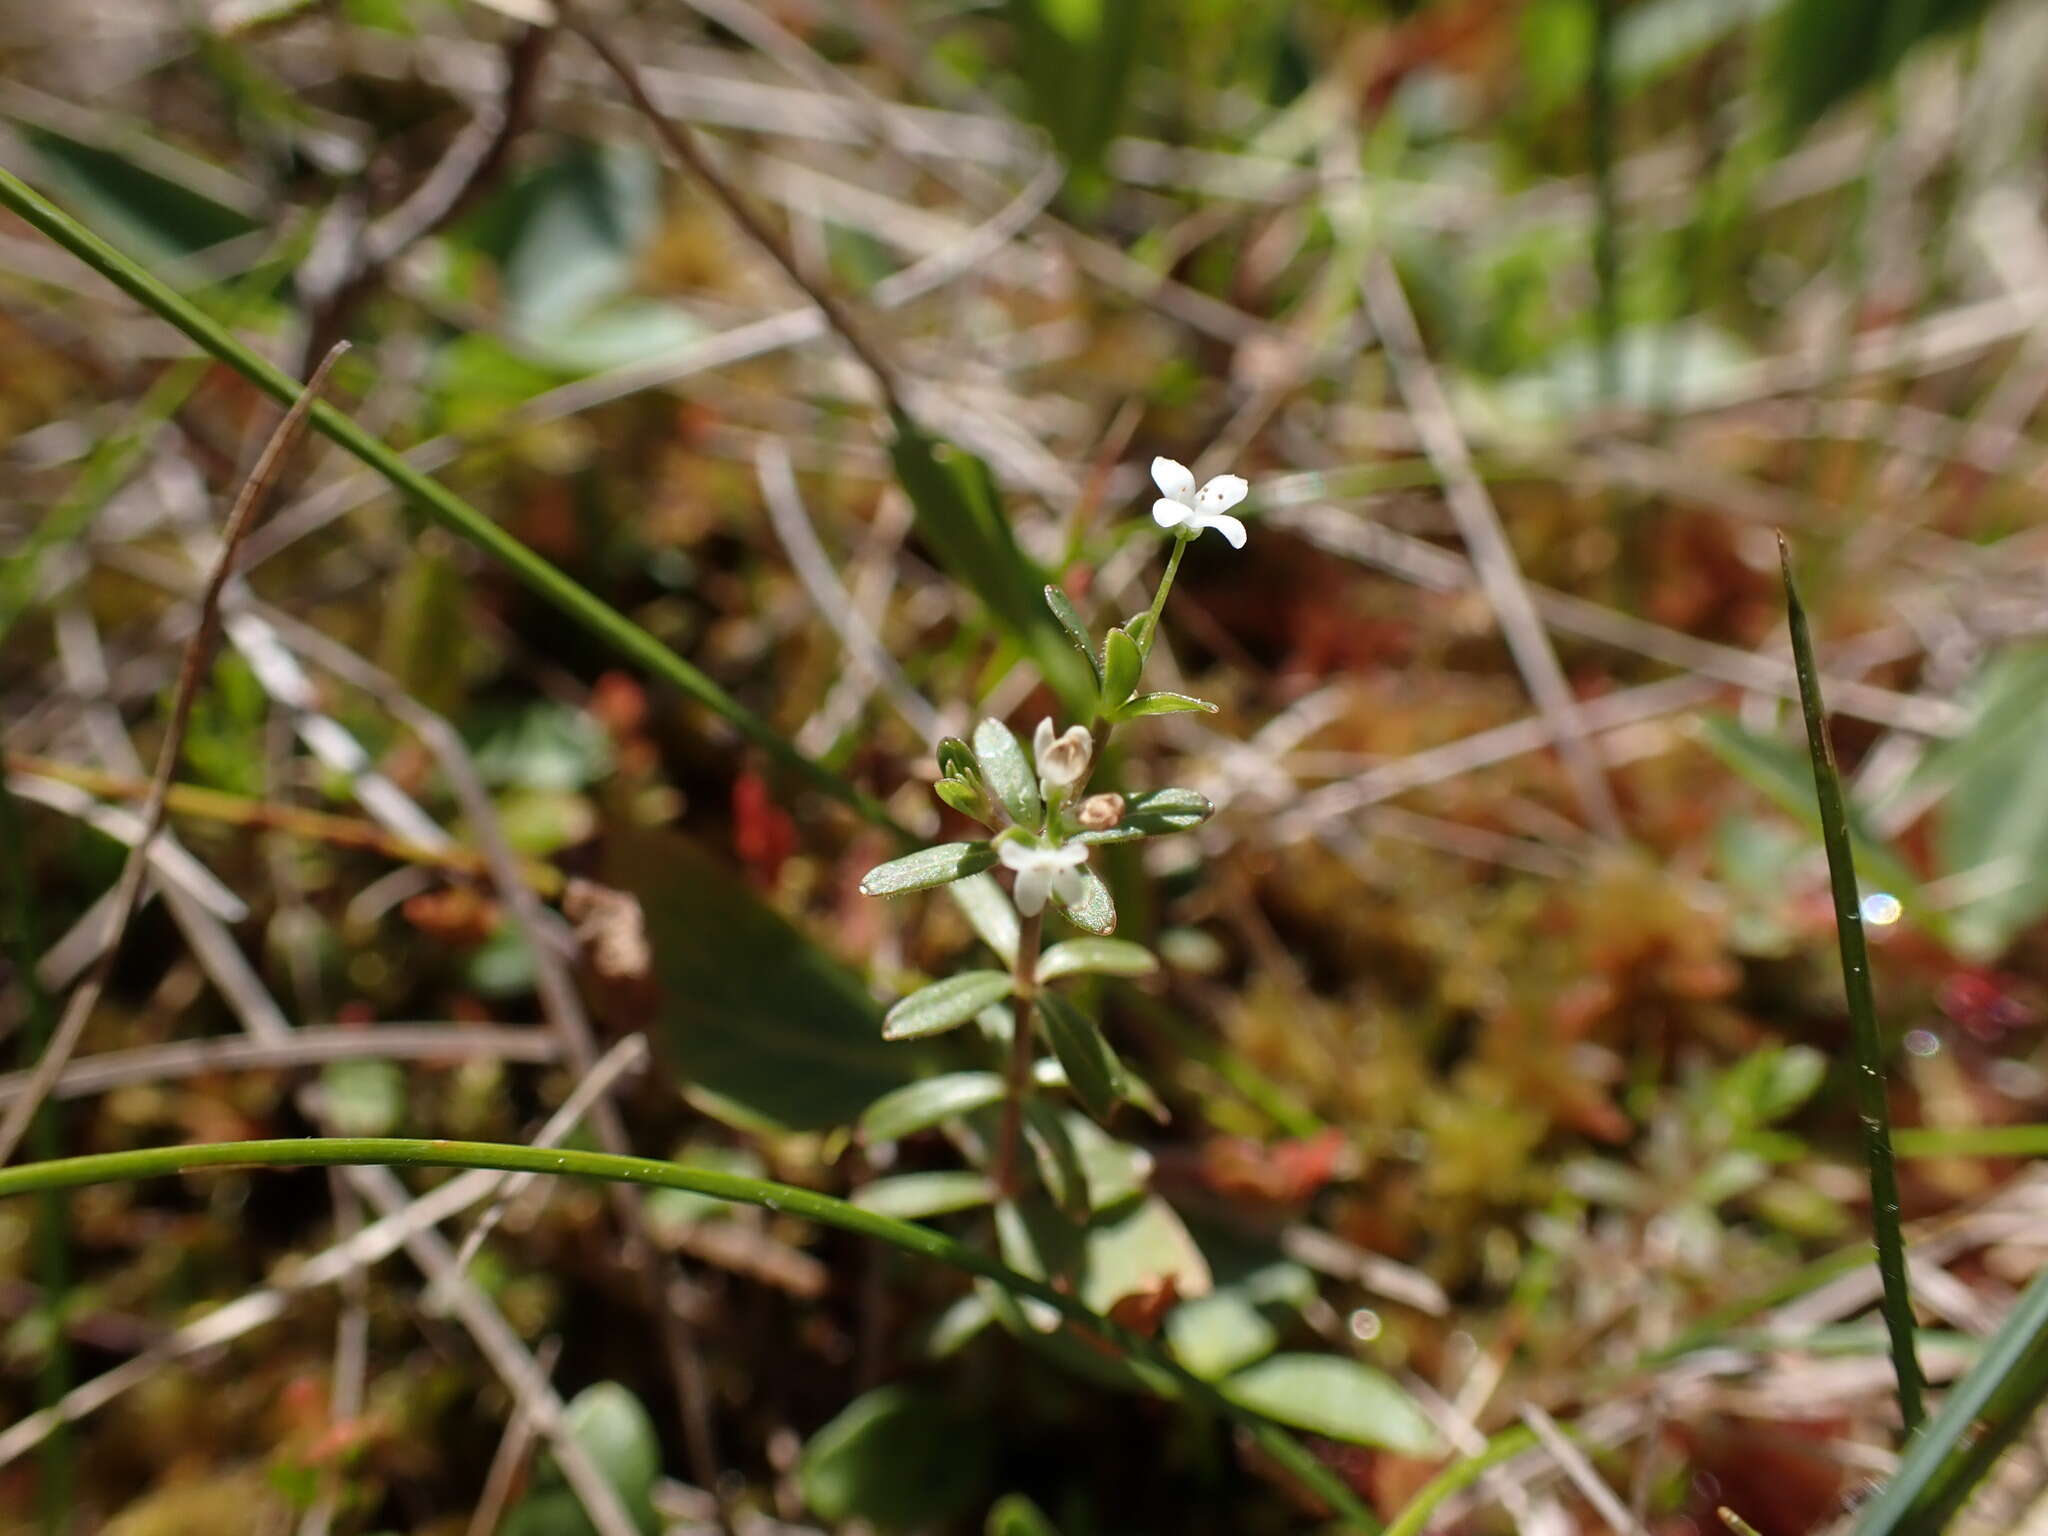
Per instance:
{"type": "Point", "coordinates": [1040, 870]}
{"type": "Point", "coordinates": [1181, 505]}
{"type": "Point", "coordinates": [1063, 759]}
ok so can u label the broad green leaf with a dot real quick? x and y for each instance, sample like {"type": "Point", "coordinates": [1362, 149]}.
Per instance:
{"type": "Point", "coordinates": [1009, 773]}
{"type": "Point", "coordinates": [919, 1106]}
{"type": "Point", "coordinates": [1331, 1395]}
{"type": "Point", "coordinates": [765, 1028]}
{"type": "Point", "coordinates": [1094, 913]}
{"type": "Point", "coordinates": [899, 1458]}
{"type": "Point", "coordinates": [1015, 1515]}
{"type": "Point", "coordinates": [1116, 1171]}
{"type": "Point", "coordinates": [960, 517]}
{"type": "Point", "coordinates": [1164, 704]}
{"type": "Point", "coordinates": [1220, 1333]}
{"type": "Point", "coordinates": [1070, 620]}
{"type": "Point", "coordinates": [1121, 663]}
{"type": "Point", "coordinates": [1154, 813]}
{"type": "Point", "coordinates": [615, 1431]}
{"type": "Point", "coordinates": [1132, 1251]}
{"type": "Point", "coordinates": [914, 1196]}
{"type": "Point", "coordinates": [1093, 1071]}
{"type": "Point", "coordinates": [926, 868]}
{"type": "Point", "coordinates": [1099, 957]}
{"type": "Point", "coordinates": [946, 1004]}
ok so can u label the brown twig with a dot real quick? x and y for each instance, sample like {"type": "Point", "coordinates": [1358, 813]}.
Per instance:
{"type": "Point", "coordinates": [191, 672]}
{"type": "Point", "coordinates": [682, 143]}
{"type": "Point", "coordinates": [331, 289]}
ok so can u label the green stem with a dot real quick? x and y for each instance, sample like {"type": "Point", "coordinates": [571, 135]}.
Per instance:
{"type": "Point", "coordinates": [1458, 1476]}
{"type": "Point", "coordinates": [573, 599]}
{"type": "Point", "coordinates": [1159, 1372]}
{"type": "Point", "coordinates": [1180, 546]}
{"type": "Point", "coordinates": [1870, 1080]}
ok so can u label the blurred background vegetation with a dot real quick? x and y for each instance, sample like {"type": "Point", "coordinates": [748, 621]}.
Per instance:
{"type": "Point", "coordinates": [1500, 1027]}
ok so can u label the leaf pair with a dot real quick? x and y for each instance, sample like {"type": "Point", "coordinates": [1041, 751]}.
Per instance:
{"type": "Point", "coordinates": [1120, 665]}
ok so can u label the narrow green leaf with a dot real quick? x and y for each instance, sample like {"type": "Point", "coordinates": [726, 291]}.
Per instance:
{"type": "Point", "coordinates": [1059, 1161]}
{"type": "Point", "coordinates": [1164, 704]}
{"type": "Point", "coordinates": [945, 1004]}
{"type": "Point", "coordinates": [988, 907]}
{"type": "Point", "coordinates": [1139, 627]}
{"type": "Point", "coordinates": [913, 1196]}
{"type": "Point", "coordinates": [1330, 1395]}
{"type": "Point", "coordinates": [967, 799]}
{"type": "Point", "coordinates": [920, 1105]}
{"type": "Point", "coordinates": [1094, 1071]}
{"type": "Point", "coordinates": [1122, 661]}
{"type": "Point", "coordinates": [1220, 1333]}
{"type": "Point", "coordinates": [1872, 1103]}
{"type": "Point", "coordinates": [1063, 609]}
{"type": "Point", "coordinates": [1154, 813]}
{"type": "Point", "coordinates": [1009, 773]}
{"type": "Point", "coordinates": [1099, 957]}
{"type": "Point", "coordinates": [960, 517]}
{"type": "Point", "coordinates": [1094, 912]}
{"type": "Point", "coordinates": [1992, 1404]}
{"type": "Point", "coordinates": [926, 868]}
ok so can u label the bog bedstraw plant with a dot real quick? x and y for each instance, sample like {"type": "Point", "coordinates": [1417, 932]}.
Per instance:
{"type": "Point", "coordinates": [1043, 825]}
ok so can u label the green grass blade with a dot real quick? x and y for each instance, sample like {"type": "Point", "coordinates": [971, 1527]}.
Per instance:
{"type": "Point", "coordinates": [1154, 1365]}
{"type": "Point", "coordinates": [1870, 1080]}
{"type": "Point", "coordinates": [1984, 1412]}
{"type": "Point", "coordinates": [436, 500]}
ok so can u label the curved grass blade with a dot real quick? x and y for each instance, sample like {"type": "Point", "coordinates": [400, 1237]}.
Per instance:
{"type": "Point", "coordinates": [435, 499]}
{"type": "Point", "coordinates": [1870, 1081]}
{"type": "Point", "coordinates": [1152, 1365]}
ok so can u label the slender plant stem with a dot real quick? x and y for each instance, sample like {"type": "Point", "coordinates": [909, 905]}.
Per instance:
{"type": "Point", "coordinates": [1180, 547]}
{"type": "Point", "coordinates": [436, 500]}
{"type": "Point", "coordinates": [1156, 1369]}
{"type": "Point", "coordinates": [1607, 224]}
{"type": "Point", "coordinates": [18, 941]}
{"type": "Point", "coordinates": [1458, 1476]}
{"type": "Point", "coordinates": [1870, 1078]}
{"type": "Point", "coordinates": [1023, 1040]}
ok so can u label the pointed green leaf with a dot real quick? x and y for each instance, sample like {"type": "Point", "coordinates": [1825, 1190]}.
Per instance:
{"type": "Point", "coordinates": [926, 868]}
{"type": "Point", "coordinates": [919, 1106]}
{"type": "Point", "coordinates": [956, 759]}
{"type": "Point", "coordinates": [1094, 912]}
{"type": "Point", "coordinates": [1094, 1072]}
{"type": "Point", "coordinates": [961, 519]}
{"type": "Point", "coordinates": [945, 1004]}
{"type": "Point", "coordinates": [914, 1196]}
{"type": "Point", "coordinates": [1220, 1333]}
{"type": "Point", "coordinates": [1154, 813]}
{"type": "Point", "coordinates": [1059, 1161]}
{"type": "Point", "coordinates": [1063, 609]}
{"type": "Point", "coordinates": [1330, 1395]}
{"type": "Point", "coordinates": [1164, 704]}
{"type": "Point", "coordinates": [1009, 773]}
{"type": "Point", "coordinates": [1139, 628]}
{"type": "Point", "coordinates": [1099, 957]}
{"type": "Point", "coordinates": [1116, 1171]}
{"type": "Point", "coordinates": [1122, 661]}
{"type": "Point", "coordinates": [988, 907]}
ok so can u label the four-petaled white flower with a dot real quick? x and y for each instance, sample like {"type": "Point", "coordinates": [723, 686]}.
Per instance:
{"type": "Point", "coordinates": [1182, 506]}
{"type": "Point", "coordinates": [1063, 759]}
{"type": "Point", "coordinates": [1042, 870]}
